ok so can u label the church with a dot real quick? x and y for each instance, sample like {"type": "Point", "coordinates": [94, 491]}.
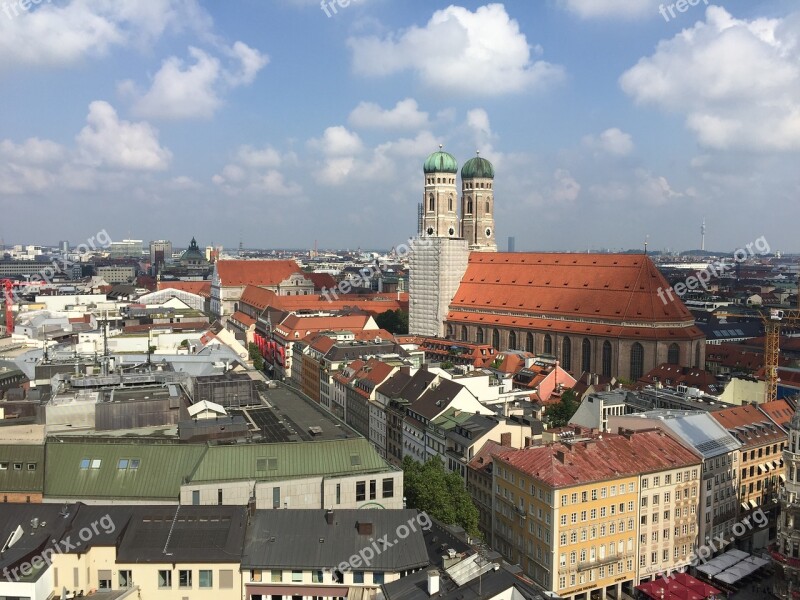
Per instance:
{"type": "Point", "coordinates": [597, 313]}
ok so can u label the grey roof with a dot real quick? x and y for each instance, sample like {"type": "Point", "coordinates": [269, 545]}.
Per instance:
{"type": "Point", "coordinates": [200, 534]}
{"type": "Point", "coordinates": [50, 525]}
{"type": "Point", "coordinates": [303, 539]}
{"type": "Point", "coordinates": [417, 385]}
{"type": "Point", "coordinates": [395, 384]}
{"type": "Point", "coordinates": [698, 430]}
{"type": "Point", "coordinates": [436, 399]}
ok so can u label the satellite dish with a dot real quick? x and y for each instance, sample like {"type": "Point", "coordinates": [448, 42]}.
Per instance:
{"type": "Point", "coordinates": [13, 538]}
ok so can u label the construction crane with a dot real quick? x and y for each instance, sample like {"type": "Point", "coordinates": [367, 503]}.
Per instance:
{"type": "Point", "coordinates": [8, 289]}
{"type": "Point", "coordinates": [774, 321]}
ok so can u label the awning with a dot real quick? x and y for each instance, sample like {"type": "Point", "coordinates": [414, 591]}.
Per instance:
{"type": "Point", "coordinates": [753, 503]}
{"type": "Point", "coordinates": [761, 468]}
{"type": "Point", "coordinates": [774, 464]}
{"type": "Point", "coordinates": [783, 477]}
{"type": "Point", "coordinates": [745, 506]}
{"type": "Point", "coordinates": [768, 467]}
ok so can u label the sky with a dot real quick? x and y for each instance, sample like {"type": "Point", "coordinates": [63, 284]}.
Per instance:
{"type": "Point", "coordinates": [282, 123]}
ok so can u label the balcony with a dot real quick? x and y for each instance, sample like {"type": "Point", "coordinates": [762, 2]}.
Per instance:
{"type": "Point", "coordinates": [609, 560]}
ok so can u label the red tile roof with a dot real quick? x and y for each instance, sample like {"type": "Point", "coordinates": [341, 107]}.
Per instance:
{"type": "Point", "coordinates": [322, 280]}
{"type": "Point", "coordinates": [260, 298]}
{"type": "Point", "coordinates": [201, 288]}
{"type": "Point", "coordinates": [234, 273]}
{"type": "Point", "coordinates": [242, 318]}
{"type": "Point", "coordinates": [602, 458]}
{"type": "Point", "coordinates": [483, 458]}
{"type": "Point", "coordinates": [545, 289]}
{"type": "Point", "coordinates": [673, 375]}
{"type": "Point", "coordinates": [749, 425]}
{"type": "Point", "coordinates": [779, 411]}
{"type": "Point", "coordinates": [305, 325]}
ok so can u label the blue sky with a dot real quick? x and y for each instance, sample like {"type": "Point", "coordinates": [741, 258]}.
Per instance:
{"type": "Point", "coordinates": [270, 121]}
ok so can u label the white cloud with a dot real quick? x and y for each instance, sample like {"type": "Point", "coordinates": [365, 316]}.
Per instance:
{"type": "Point", "coordinates": [255, 171]}
{"type": "Point", "coordinates": [736, 82]}
{"type": "Point", "coordinates": [181, 91]}
{"type": "Point", "coordinates": [614, 9]}
{"type": "Point", "coordinates": [338, 141]}
{"type": "Point", "coordinates": [108, 141]}
{"type": "Point", "coordinates": [611, 141]}
{"type": "Point", "coordinates": [565, 187]}
{"type": "Point", "coordinates": [267, 157]}
{"type": "Point", "coordinates": [405, 115]}
{"type": "Point", "coordinates": [478, 53]}
{"type": "Point", "coordinates": [32, 151]}
{"type": "Point", "coordinates": [51, 34]}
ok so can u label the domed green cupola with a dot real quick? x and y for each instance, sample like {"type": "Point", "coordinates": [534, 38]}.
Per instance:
{"type": "Point", "coordinates": [477, 167]}
{"type": "Point", "coordinates": [441, 162]}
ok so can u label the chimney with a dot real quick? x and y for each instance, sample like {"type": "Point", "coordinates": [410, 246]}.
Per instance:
{"type": "Point", "coordinates": [608, 387]}
{"type": "Point", "coordinates": [505, 439]}
{"type": "Point", "coordinates": [433, 582]}
{"type": "Point", "coordinates": [329, 517]}
{"type": "Point", "coordinates": [528, 442]}
{"type": "Point", "coordinates": [560, 456]}
{"type": "Point", "coordinates": [595, 379]}
{"type": "Point", "coordinates": [405, 370]}
{"type": "Point", "coordinates": [588, 379]}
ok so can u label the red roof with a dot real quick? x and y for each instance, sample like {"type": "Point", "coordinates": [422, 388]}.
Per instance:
{"type": "Point", "coordinates": [234, 273]}
{"type": "Point", "coordinates": [542, 289]}
{"type": "Point", "coordinates": [322, 280]}
{"type": "Point", "coordinates": [749, 425]}
{"type": "Point", "coordinates": [599, 458]}
{"type": "Point", "coordinates": [243, 318]}
{"type": "Point", "coordinates": [260, 298]}
{"type": "Point", "coordinates": [675, 374]}
{"type": "Point", "coordinates": [201, 288]}
{"type": "Point", "coordinates": [779, 411]}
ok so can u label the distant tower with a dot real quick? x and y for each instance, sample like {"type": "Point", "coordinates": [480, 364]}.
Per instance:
{"type": "Point", "coordinates": [477, 204]}
{"type": "Point", "coordinates": [241, 248]}
{"type": "Point", "coordinates": [703, 235]}
{"type": "Point", "coordinates": [512, 244]}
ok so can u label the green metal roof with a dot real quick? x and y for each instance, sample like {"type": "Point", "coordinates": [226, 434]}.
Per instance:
{"type": "Point", "coordinates": [265, 462]}
{"type": "Point", "coordinates": [72, 470]}
{"type": "Point", "coordinates": [477, 167]}
{"type": "Point", "coordinates": [15, 474]}
{"type": "Point", "coordinates": [441, 162]}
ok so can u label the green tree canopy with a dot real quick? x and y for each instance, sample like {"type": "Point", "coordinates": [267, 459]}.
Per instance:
{"type": "Point", "coordinates": [560, 414]}
{"type": "Point", "coordinates": [393, 321]}
{"type": "Point", "coordinates": [255, 356]}
{"type": "Point", "coordinates": [442, 495]}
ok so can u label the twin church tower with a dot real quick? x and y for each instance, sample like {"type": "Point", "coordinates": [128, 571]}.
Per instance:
{"type": "Point", "coordinates": [438, 213]}
{"type": "Point", "coordinates": [438, 266]}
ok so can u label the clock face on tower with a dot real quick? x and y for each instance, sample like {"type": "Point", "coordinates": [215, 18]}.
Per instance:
{"type": "Point", "coordinates": [488, 232]}
{"type": "Point", "coordinates": [451, 231]}
{"type": "Point", "coordinates": [430, 230]}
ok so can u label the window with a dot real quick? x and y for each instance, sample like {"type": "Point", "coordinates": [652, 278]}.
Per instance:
{"type": "Point", "coordinates": [297, 576]}
{"type": "Point", "coordinates": [276, 497]}
{"type": "Point", "coordinates": [586, 355]}
{"type": "Point", "coordinates": [479, 335]}
{"type": "Point", "coordinates": [104, 579]}
{"type": "Point", "coordinates": [361, 491]}
{"type": "Point", "coordinates": [463, 334]}
{"type": "Point", "coordinates": [31, 466]}
{"type": "Point", "coordinates": [195, 497]}
{"type": "Point", "coordinates": [96, 462]}
{"type": "Point", "coordinates": [496, 339]}
{"type": "Point", "coordinates": [377, 578]}
{"type": "Point", "coordinates": [134, 464]}
{"type": "Point", "coordinates": [512, 340]}
{"type": "Point", "coordinates": [122, 464]}
{"type": "Point", "coordinates": [316, 576]}
{"type": "Point", "coordinates": [637, 361]}
{"type": "Point", "coordinates": [373, 489]}
{"type": "Point", "coordinates": [607, 359]}
{"type": "Point", "coordinates": [164, 579]}
{"type": "Point", "coordinates": [276, 576]}
{"type": "Point", "coordinates": [184, 578]}
{"type": "Point", "coordinates": [388, 488]}
{"type": "Point", "coordinates": [566, 354]}
{"type": "Point", "coordinates": [358, 576]}
{"type": "Point", "coordinates": [205, 578]}
{"type": "Point", "coordinates": [529, 342]}
{"type": "Point", "coordinates": [548, 344]}
{"type": "Point", "coordinates": [85, 462]}
{"type": "Point", "coordinates": [674, 354]}
{"type": "Point", "coordinates": [125, 579]}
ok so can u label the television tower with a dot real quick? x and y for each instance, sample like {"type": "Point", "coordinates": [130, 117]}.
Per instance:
{"type": "Point", "coordinates": [703, 235]}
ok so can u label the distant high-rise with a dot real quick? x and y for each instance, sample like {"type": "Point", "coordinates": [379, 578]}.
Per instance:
{"type": "Point", "coordinates": [703, 235]}
{"type": "Point", "coordinates": [512, 244]}
{"type": "Point", "coordinates": [162, 249]}
{"type": "Point", "coordinates": [63, 246]}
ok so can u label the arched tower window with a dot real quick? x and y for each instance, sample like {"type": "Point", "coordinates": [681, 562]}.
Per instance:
{"type": "Point", "coordinates": [586, 355]}
{"type": "Point", "coordinates": [479, 335]}
{"type": "Point", "coordinates": [674, 354]}
{"type": "Point", "coordinates": [450, 204]}
{"type": "Point", "coordinates": [637, 361]}
{"type": "Point", "coordinates": [566, 354]}
{"type": "Point", "coordinates": [469, 206]}
{"type": "Point", "coordinates": [496, 339]}
{"type": "Point", "coordinates": [548, 344]}
{"type": "Point", "coordinates": [529, 342]}
{"type": "Point", "coordinates": [488, 210]}
{"type": "Point", "coordinates": [606, 359]}
{"type": "Point", "coordinates": [512, 341]}
{"type": "Point", "coordinates": [431, 204]}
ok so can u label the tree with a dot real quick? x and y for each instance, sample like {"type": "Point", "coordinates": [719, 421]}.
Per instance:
{"type": "Point", "coordinates": [442, 495]}
{"type": "Point", "coordinates": [560, 414]}
{"type": "Point", "coordinates": [255, 356]}
{"type": "Point", "coordinates": [393, 321]}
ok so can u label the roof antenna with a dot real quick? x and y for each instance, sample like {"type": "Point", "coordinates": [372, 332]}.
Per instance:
{"type": "Point", "coordinates": [647, 237]}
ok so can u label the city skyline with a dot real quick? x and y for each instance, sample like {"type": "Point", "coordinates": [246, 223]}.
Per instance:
{"type": "Point", "coordinates": [286, 122]}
